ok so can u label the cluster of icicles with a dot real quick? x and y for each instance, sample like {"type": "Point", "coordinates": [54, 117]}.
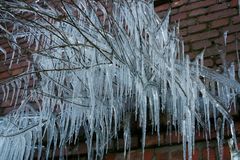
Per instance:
{"type": "Point", "coordinates": [94, 69]}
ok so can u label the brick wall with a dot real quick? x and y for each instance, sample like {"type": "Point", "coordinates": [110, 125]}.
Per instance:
{"type": "Point", "coordinates": [173, 153]}
{"type": "Point", "coordinates": [202, 24]}
{"type": "Point", "coordinates": [165, 151]}
{"type": "Point", "coordinates": [19, 65]}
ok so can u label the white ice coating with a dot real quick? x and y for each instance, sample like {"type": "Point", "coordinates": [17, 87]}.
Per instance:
{"type": "Point", "coordinates": [92, 67]}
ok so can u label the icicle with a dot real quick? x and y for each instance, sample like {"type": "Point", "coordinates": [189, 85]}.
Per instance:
{"type": "Point", "coordinates": [4, 52]}
{"type": "Point", "coordinates": [215, 117]}
{"type": "Point", "coordinates": [207, 142]}
{"type": "Point", "coordinates": [231, 71]}
{"type": "Point", "coordinates": [34, 140]}
{"type": "Point", "coordinates": [103, 10]}
{"type": "Point", "coordinates": [164, 26]}
{"type": "Point", "coordinates": [233, 133]}
{"type": "Point", "coordinates": [127, 134]}
{"type": "Point", "coordinates": [156, 113]}
{"type": "Point", "coordinates": [200, 57]}
{"type": "Point", "coordinates": [55, 141]}
{"type": "Point", "coordinates": [6, 98]}
{"type": "Point", "coordinates": [29, 65]}
{"type": "Point", "coordinates": [225, 34]}
{"type": "Point", "coordinates": [18, 84]}
{"type": "Point", "coordinates": [12, 58]}
{"type": "Point", "coordinates": [235, 153]}
{"type": "Point", "coordinates": [13, 93]}
{"type": "Point", "coordinates": [28, 141]}
{"type": "Point", "coordinates": [4, 92]}
{"type": "Point", "coordinates": [184, 138]}
{"type": "Point", "coordinates": [208, 119]}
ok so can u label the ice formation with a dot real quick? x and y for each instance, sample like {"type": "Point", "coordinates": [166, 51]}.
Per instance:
{"type": "Point", "coordinates": [93, 66]}
{"type": "Point", "coordinates": [235, 154]}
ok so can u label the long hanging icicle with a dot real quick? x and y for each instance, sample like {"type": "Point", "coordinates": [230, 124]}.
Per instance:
{"type": "Point", "coordinates": [92, 65]}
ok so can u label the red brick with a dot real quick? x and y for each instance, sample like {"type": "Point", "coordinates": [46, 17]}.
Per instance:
{"type": "Point", "coordinates": [178, 154]}
{"type": "Point", "coordinates": [234, 3]}
{"type": "Point", "coordinates": [232, 28]}
{"type": "Point", "coordinates": [176, 139]}
{"type": "Point", "coordinates": [183, 32]}
{"type": "Point", "coordinates": [21, 64]}
{"type": "Point", "coordinates": [174, 11]}
{"type": "Point", "coordinates": [7, 62]}
{"type": "Point", "coordinates": [201, 44]}
{"type": "Point", "coordinates": [197, 28]}
{"type": "Point", "coordinates": [110, 156]}
{"type": "Point", "coordinates": [4, 75]}
{"type": "Point", "coordinates": [162, 7]}
{"type": "Point", "coordinates": [6, 104]}
{"type": "Point", "coordinates": [217, 7]}
{"type": "Point", "coordinates": [236, 19]}
{"type": "Point", "coordinates": [152, 140]}
{"type": "Point", "coordinates": [218, 15]}
{"type": "Point", "coordinates": [212, 154]}
{"type": "Point", "coordinates": [148, 154]}
{"type": "Point", "coordinates": [201, 36]}
{"type": "Point", "coordinates": [9, 73]}
{"type": "Point", "coordinates": [232, 47]}
{"type": "Point", "coordinates": [197, 5]}
{"type": "Point", "coordinates": [197, 12]}
{"type": "Point", "coordinates": [5, 45]}
{"type": "Point", "coordinates": [195, 155]}
{"type": "Point", "coordinates": [219, 23]}
{"type": "Point", "coordinates": [226, 153]}
{"type": "Point", "coordinates": [212, 51]}
{"type": "Point", "coordinates": [136, 154]}
{"type": "Point", "coordinates": [187, 22]}
{"type": "Point", "coordinates": [179, 16]}
{"type": "Point", "coordinates": [161, 155]}
{"type": "Point", "coordinates": [16, 71]}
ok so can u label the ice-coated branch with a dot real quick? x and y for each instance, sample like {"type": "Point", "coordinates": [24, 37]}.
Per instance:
{"type": "Point", "coordinates": [95, 63]}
